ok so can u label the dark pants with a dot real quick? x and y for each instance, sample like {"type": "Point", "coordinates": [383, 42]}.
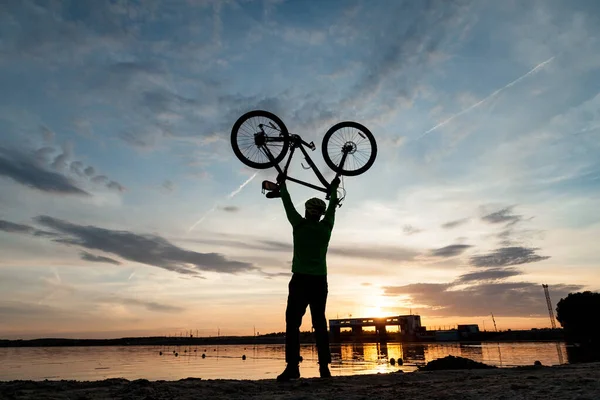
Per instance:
{"type": "Point", "coordinates": [306, 290]}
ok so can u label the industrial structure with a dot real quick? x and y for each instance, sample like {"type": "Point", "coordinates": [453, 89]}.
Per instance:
{"type": "Point", "coordinates": [409, 329]}
{"type": "Point", "coordinates": [552, 321]}
{"type": "Point", "coordinates": [549, 304]}
{"type": "Point", "coordinates": [408, 325]}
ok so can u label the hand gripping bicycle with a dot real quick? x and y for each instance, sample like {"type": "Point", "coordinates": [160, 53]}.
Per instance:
{"type": "Point", "coordinates": [261, 140]}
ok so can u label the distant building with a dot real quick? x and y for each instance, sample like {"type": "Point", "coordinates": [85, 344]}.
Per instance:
{"type": "Point", "coordinates": [407, 324]}
{"type": "Point", "coordinates": [447, 336]}
{"type": "Point", "coordinates": [471, 328]}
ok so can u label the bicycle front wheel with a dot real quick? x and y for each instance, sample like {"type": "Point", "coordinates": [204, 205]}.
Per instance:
{"type": "Point", "coordinates": [255, 131]}
{"type": "Point", "coordinates": [353, 139]}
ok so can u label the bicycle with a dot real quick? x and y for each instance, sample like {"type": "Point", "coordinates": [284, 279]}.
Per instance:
{"type": "Point", "coordinates": [261, 140]}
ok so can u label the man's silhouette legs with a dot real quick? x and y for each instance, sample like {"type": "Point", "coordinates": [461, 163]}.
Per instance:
{"type": "Point", "coordinates": [305, 290]}
{"type": "Point", "coordinates": [318, 301]}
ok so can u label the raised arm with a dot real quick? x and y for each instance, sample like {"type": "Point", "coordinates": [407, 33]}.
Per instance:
{"type": "Point", "coordinates": [290, 210]}
{"type": "Point", "coordinates": [329, 217]}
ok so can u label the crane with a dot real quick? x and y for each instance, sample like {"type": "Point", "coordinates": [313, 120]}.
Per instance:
{"type": "Point", "coordinates": [549, 303]}
{"type": "Point", "coordinates": [552, 322]}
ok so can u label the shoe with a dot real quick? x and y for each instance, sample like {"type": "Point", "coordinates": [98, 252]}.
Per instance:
{"type": "Point", "coordinates": [290, 372]}
{"type": "Point", "coordinates": [324, 371]}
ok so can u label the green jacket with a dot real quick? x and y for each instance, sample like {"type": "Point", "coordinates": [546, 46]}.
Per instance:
{"type": "Point", "coordinates": [311, 238]}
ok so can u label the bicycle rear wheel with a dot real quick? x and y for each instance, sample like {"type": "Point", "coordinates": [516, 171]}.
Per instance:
{"type": "Point", "coordinates": [255, 130]}
{"type": "Point", "coordinates": [353, 139]}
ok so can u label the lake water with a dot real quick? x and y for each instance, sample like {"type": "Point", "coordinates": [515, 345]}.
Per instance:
{"type": "Point", "coordinates": [262, 361]}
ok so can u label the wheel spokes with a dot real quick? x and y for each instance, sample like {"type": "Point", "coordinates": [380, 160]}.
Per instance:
{"type": "Point", "coordinates": [355, 139]}
{"type": "Point", "coordinates": [259, 126]}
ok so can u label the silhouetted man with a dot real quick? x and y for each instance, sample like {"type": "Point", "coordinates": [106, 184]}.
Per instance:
{"type": "Point", "coordinates": [308, 286]}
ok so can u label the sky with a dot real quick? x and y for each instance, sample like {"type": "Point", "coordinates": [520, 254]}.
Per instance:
{"type": "Point", "coordinates": [124, 211]}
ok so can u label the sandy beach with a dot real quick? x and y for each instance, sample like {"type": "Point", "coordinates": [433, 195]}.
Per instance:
{"type": "Point", "coordinates": [580, 381]}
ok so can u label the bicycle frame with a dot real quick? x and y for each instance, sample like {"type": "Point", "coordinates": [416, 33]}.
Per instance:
{"type": "Point", "coordinates": [297, 142]}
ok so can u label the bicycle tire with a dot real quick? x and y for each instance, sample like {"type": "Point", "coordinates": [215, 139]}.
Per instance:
{"type": "Point", "coordinates": [236, 136]}
{"type": "Point", "coordinates": [328, 147]}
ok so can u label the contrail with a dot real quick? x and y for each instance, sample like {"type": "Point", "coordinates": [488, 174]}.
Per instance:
{"type": "Point", "coordinates": [57, 276]}
{"type": "Point", "coordinates": [202, 218]}
{"type": "Point", "coordinates": [229, 196]}
{"type": "Point", "coordinates": [533, 70]}
{"type": "Point", "coordinates": [235, 192]}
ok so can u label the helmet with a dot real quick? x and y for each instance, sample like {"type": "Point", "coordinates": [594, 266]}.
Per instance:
{"type": "Point", "coordinates": [315, 206]}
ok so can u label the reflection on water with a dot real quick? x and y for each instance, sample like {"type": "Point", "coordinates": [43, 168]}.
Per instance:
{"type": "Point", "coordinates": [262, 361]}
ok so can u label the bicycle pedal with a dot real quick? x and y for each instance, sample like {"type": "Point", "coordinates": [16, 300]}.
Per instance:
{"type": "Point", "coordinates": [273, 195]}
{"type": "Point", "coordinates": [270, 186]}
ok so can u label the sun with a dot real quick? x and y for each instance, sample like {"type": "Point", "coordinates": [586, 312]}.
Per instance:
{"type": "Point", "coordinates": [378, 307]}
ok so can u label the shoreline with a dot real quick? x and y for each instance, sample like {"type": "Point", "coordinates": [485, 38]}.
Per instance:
{"type": "Point", "coordinates": [556, 382]}
{"type": "Point", "coordinates": [306, 338]}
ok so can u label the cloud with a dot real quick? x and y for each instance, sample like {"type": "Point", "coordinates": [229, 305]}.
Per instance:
{"type": "Point", "coordinates": [93, 258]}
{"type": "Point", "coordinates": [100, 179]}
{"type": "Point", "coordinates": [116, 186]}
{"type": "Point", "coordinates": [490, 274]}
{"type": "Point", "coordinates": [410, 230]}
{"type": "Point", "coordinates": [23, 169]}
{"type": "Point", "coordinates": [450, 251]}
{"type": "Point", "coordinates": [507, 256]}
{"type": "Point", "coordinates": [148, 305]}
{"type": "Point", "coordinates": [271, 275]}
{"type": "Point", "coordinates": [12, 311]}
{"type": "Point", "coordinates": [76, 168]}
{"type": "Point", "coordinates": [146, 249]}
{"type": "Point", "coordinates": [61, 161]}
{"type": "Point", "coordinates": [399, 57]}
{"type": "Point", "coordinates": [43, 154]}
{"type": "Point", "coordinates": [230, 209]}
{"type": "Point", "coordinates": [168, 185]}
{"type": "Point", "coordinates": [455, 223]}
{"type": "Point", "coordinates": [47, 134]}
{"type": "Point", "coordinates": [29, 170]}
{"type": "Point", "coordinates": [502, 216]}
{"type": "Point", "coordinates": [507, 299]}
{"type": "Point", "coordinates": [374, 252]}
{"type": "Point", "coordinates": [11, 227]}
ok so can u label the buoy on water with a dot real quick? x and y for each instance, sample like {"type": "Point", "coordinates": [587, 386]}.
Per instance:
{"type": "Point", "coordinates": [400, 361]}
{"type": "Point", "coordinates": [392, 361]}
{"type": "Point", "coordinates": [244, 357]}
{"type": "Point", "coordinates": [160, 353]}
{"type": "Point", "coordinates": [176, 354]}
{"type": "Point", "coordinates": [203, 355]}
